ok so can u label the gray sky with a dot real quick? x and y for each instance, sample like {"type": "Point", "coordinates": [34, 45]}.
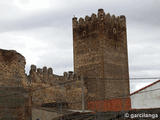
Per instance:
{"type": "Point", "coordinates": [41, 30]}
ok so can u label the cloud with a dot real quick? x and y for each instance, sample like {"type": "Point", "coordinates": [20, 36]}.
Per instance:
{"type": "Point", "coordinates": [42, 31]}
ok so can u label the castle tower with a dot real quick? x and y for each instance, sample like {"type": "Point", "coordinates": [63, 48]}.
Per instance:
{"type": "Point", "coordinates": [100, 54]}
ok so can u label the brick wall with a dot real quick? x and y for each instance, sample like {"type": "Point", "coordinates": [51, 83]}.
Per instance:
{"type": "Point", "coordinates": [100, 51]}
{"type": "Point", "coordinates": [116, 104]}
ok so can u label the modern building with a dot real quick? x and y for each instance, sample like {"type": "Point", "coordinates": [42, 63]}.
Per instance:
{"type": "Point", "coordinates": [147, 97]}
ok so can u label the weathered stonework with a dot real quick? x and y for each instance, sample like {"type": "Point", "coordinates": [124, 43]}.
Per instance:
{"type": "Point", "coordinates": [44, 75]}
{"type": "Point", "coordinates": [15, 103]}
{"type": "Point", "coordinates": [45, 86]}
{"type": "Point", "coordinates": [48, 87]}
{"type": "Point", "coordinates": [100, 54]}
{"type": "Point", "coordinates": [15, 100]}
{"type": "Point", "coordinates": [12, 66]}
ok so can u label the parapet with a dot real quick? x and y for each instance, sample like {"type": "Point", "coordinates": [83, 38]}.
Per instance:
{"type": "Point", "coordinates": [39, 70]}
{"type": "Point", "coordinates": [97, 19]}
{"type": "Point", "coordinates": [70, 75]}
{"type": "Point", "coordinates": [43, 70]}
{"type": "Point", "coordinates": [33, 68]}
{"type": "Point", "coordinates": [41, 74]}
{"type": "Point", "coordinates": [50, 71]}
{"type": "Point", "coordinates": [46, 75]}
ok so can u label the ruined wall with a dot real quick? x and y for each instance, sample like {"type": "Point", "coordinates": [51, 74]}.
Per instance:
{"type": "Point", "coordinates": [46, 75]}
{"type": "Point", "coordinates": [12, 66]}
{"type": "Point", "coordinates": [48, 87]}
{"type": "Point", "coordinates": [42, 75]}
{"type": "Point", "coordinates": [15, 102]}
{"type": "Point", "coordinates": [100, 54]}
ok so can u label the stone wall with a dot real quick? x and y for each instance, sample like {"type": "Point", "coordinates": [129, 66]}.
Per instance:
{"type": "Point", "coordinates": [48, 87]}
{"type": "Point", "coordinates": [44, 75]}
{"type": "Point", "coordinates": [45, 86]}
{"type": "Point", "coordinates": [100, 55]}
{"type": "Point", "coordinates": [12, 66]}
{"type": "Point", "coordinates": [15, 101]}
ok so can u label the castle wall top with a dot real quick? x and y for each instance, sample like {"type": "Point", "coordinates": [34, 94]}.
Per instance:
{"type": "Point", "coordinates": [100, 17]}
{"type": "Point", "coordinates": [43, 70]}
{"type": "Point", "coordinates": [70, 75]}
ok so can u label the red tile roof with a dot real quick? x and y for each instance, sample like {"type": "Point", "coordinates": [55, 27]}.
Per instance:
{"type": "Point", "coordinates": [145, 87]}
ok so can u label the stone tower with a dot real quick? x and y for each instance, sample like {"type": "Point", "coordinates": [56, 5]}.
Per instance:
{"type": "Point", "coordinates": [100, 54]}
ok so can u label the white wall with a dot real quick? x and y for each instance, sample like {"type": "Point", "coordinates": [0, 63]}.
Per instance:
{"type": "Point", "coordinates": [147, 98]}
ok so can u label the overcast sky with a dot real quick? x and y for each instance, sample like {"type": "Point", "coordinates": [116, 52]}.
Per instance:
{"type": "Point", "coordinates": [41, 30]}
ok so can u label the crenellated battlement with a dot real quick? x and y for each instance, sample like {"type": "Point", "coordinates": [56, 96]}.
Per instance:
{"type": "Point", "coordinates": [43, 70]}
{"type": "Point", "coordinates": [99, 19]}
{"type": "Point", "coordinates": [45, 75]}
{"type": "Point", "coordinates": [70, 75]}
